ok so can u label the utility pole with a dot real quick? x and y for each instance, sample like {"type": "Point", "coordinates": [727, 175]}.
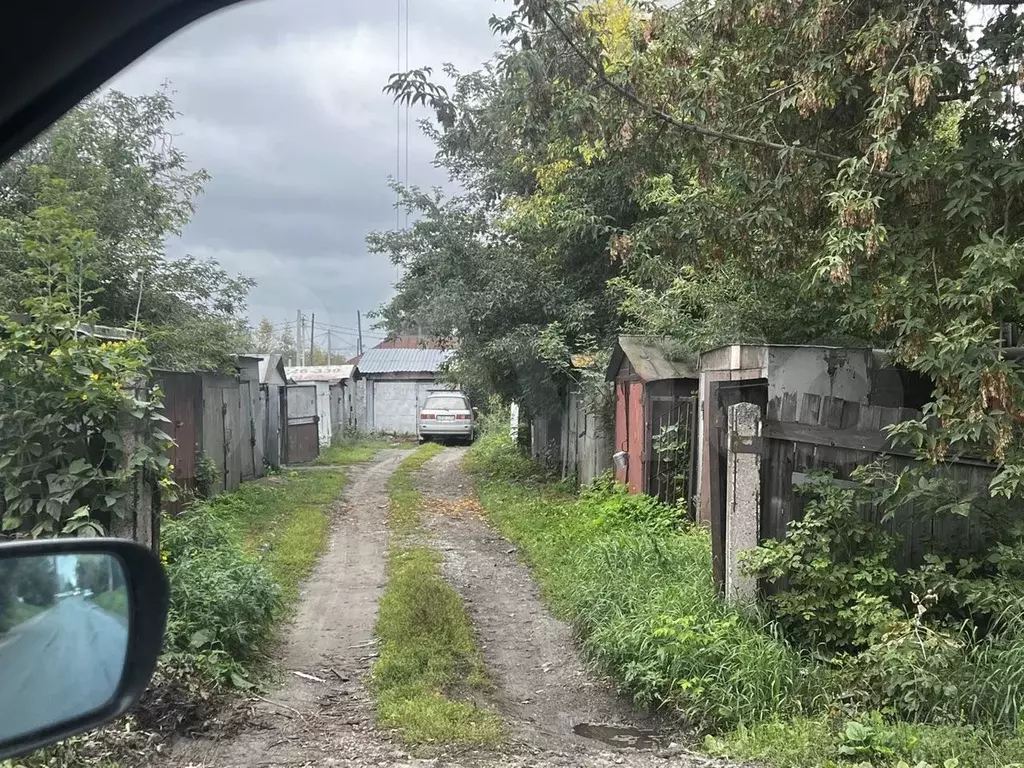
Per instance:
{"type": "Point", "coordinates": [328, 346]}
{"type": "Point", "coordinates": [359, 329]}
{"type": "Point", "coordinates": [299, 353]}
{"type": "Point", "coordinates": [312, 338]}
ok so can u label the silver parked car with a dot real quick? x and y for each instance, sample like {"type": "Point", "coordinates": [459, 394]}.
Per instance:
{"type": "Point", "coordinates": [447, 415]}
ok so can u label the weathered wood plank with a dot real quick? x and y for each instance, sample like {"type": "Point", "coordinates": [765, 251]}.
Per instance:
{"type": "Point", "coordinates": [810, 408]}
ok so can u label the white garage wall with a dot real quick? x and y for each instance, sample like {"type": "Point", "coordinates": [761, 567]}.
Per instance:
{"type": "Point", "coordinates": [323, 410]}
{"type": "Point", "coordinates": [394, 406]}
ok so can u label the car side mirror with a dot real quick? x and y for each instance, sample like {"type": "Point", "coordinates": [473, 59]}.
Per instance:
{"type": "Point", "coordinates": [81, 627]}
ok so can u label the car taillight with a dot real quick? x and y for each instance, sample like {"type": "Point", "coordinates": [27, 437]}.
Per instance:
{"type": "Point", "coordinates": [426, 416]}
{"type": "Point", "coordinates": [462, 416]}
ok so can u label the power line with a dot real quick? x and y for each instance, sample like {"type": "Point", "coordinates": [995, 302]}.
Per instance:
{"type": "Point", "coordinates": [407, 108]}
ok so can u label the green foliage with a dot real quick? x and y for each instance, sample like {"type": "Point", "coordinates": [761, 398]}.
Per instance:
{"type": "Point", "coordinates": [283, 521]}
{"type": "Point", "coordinates": [641, 597]}
{"type": "Point", "coordinates": [739, 171]}
{"type": "Point", "coordinates": [235, 564]}
{"type": "Point", "coordinates": [840, 586]}
{"type": "Point", "coordinates": [67, 404]}
{"type": "Point", "coordinates": [207, 473]}
{"type": "Point", "coordinates": [27, 587]}
{"type": "Point", "coordinates": [223, 600]}
{"type": "Point", "coordinates": [115, 601]}
{"type": "Point", "coordinates": [107, 185]}
{"type": "Point", "coordinates": [611, 505]}
{"type": "Point", "coordinates": [866, 742]}
{"type": "Point", "coordinates": [938, 643]}
{"type": "Point", "coordinates": [494, 455]}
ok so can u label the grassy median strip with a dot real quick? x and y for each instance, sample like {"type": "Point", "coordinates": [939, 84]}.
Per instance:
{"type": "Point", "coordinates": [428, 653]}
{"type": "Point", "coordinates": [357, 450]}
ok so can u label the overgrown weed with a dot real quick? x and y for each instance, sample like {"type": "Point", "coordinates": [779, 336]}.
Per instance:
{"type": "Point", "coordinates": [635, 581]}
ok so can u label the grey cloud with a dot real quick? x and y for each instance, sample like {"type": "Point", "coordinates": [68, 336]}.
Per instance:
{"type": "Point", "coordinates": [282, 104]}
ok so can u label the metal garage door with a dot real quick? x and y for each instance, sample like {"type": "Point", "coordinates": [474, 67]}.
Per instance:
{"type": "Point", "coordinates": [303, 443]}
{"type": "Point", "coordinates": [396, 405]}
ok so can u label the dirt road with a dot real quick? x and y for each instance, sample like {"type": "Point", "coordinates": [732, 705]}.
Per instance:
{"type": "Point", "coordinates": [322, 715]}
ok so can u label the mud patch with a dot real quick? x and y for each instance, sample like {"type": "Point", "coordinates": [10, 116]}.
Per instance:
{"type": "Point", "coordinates": [620, 737]}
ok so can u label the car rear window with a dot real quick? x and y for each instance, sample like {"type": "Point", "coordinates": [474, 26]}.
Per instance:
{"type": "Point", "coordinates": [447, 403]}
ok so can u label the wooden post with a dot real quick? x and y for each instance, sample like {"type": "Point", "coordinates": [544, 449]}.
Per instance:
{"type": "Point", "coordinates": [743, 500]}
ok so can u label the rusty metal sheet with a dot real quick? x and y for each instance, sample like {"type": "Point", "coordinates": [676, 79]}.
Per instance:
{"type": "Point", "coordinates": [183, 398]}
{"type": "Point", "coordinates": [636, 438]}
{"type": "Point", "coordinates": [621, 428]}
{"type": "Point", "coordinates": [303, 442]}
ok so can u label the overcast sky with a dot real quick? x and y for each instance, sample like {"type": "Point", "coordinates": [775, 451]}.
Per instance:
{"type": "Point", "coordinates": [282, 104]}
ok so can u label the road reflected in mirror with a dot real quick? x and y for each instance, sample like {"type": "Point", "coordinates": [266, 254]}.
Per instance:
{"type": "Point", "coordinates": [63, 638]}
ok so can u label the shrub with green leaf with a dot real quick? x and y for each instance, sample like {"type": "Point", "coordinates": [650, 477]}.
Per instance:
{"type": "Point", "coordinates": [223, 600]}
{"type": "Point", "coordinates": [840, 584]}
{"type": "Point", "coordinates": [67, 398]}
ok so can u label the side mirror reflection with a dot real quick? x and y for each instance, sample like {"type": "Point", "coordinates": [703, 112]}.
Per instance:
{"type": "Point", "coordinates": [64, 624]}
{"type": "Point", "coordinates": [81, 627]}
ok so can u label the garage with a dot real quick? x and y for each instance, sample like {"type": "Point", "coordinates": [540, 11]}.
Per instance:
{"type": "Point", "coordinates": [395, 384]}
{"type": "Point", "coordinates": [396, 404]}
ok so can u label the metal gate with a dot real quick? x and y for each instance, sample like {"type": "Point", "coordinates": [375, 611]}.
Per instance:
{"type": "Point", "coordinates": [672, 467]}
{"type": "Point", "coordinates": [302, 425]}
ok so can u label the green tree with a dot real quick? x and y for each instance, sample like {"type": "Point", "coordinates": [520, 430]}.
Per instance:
{"type": "Point", "coordinates": [263, 340]}
{"type": "Point", "coordinates": [67, 398]}
{"type": "Point", "coordinates": [755, 170]}
{"type": "Point", "coordinates": [120, 175]}
{"type": "Point", "coordinates": [32, 580]}
{"type": "Point", "coordinates": [98, 573]}
{"type": "Point", "coordinates": [286, 345]}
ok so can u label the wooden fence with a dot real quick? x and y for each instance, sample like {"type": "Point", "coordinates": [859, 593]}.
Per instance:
{"type": "Point", "coordinates": [235, 422]}
{"type": "Point", "coordinates": [803, 433]}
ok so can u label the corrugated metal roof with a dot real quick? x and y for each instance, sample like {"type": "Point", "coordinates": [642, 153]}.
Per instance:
{"type": "Point", "coordinates": [403, 360]}
{"type": "Point", "coordinates": [649, 360]}
{"type": "Point", "coordinates": [330, 373]}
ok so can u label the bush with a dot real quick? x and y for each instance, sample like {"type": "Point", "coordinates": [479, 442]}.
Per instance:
{"type": "Point", "coordinates": [610, 504]}
{"type": "Point", "coordinates": [840, 584]}
{"type": "Point", "coordinates": [223, 601]}
{"type": "Point", "coordinates": [938, 643]}
{"type": "Point", "coordinates": [495, 455]}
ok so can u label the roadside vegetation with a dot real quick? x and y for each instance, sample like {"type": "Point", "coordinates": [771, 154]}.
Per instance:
{"type": "Point", "coordinates": [428, 654]}
{"type": "Point", "coordinates": [114, 601]}
{"type": "Point", "coordinates": [634, 578]}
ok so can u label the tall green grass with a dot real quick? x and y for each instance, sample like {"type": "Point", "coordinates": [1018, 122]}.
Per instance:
{"type": "Point", "coordinates": [645, 606]}
{"type": "Point", "coordinates": [284, 521]}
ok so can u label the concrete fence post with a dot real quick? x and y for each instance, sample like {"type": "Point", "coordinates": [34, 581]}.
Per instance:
{"type": "Point", "coordinates": [743, 500]}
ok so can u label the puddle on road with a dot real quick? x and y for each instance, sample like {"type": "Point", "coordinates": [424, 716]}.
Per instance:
{"type": "Point", "coordinates": [619, 736]}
